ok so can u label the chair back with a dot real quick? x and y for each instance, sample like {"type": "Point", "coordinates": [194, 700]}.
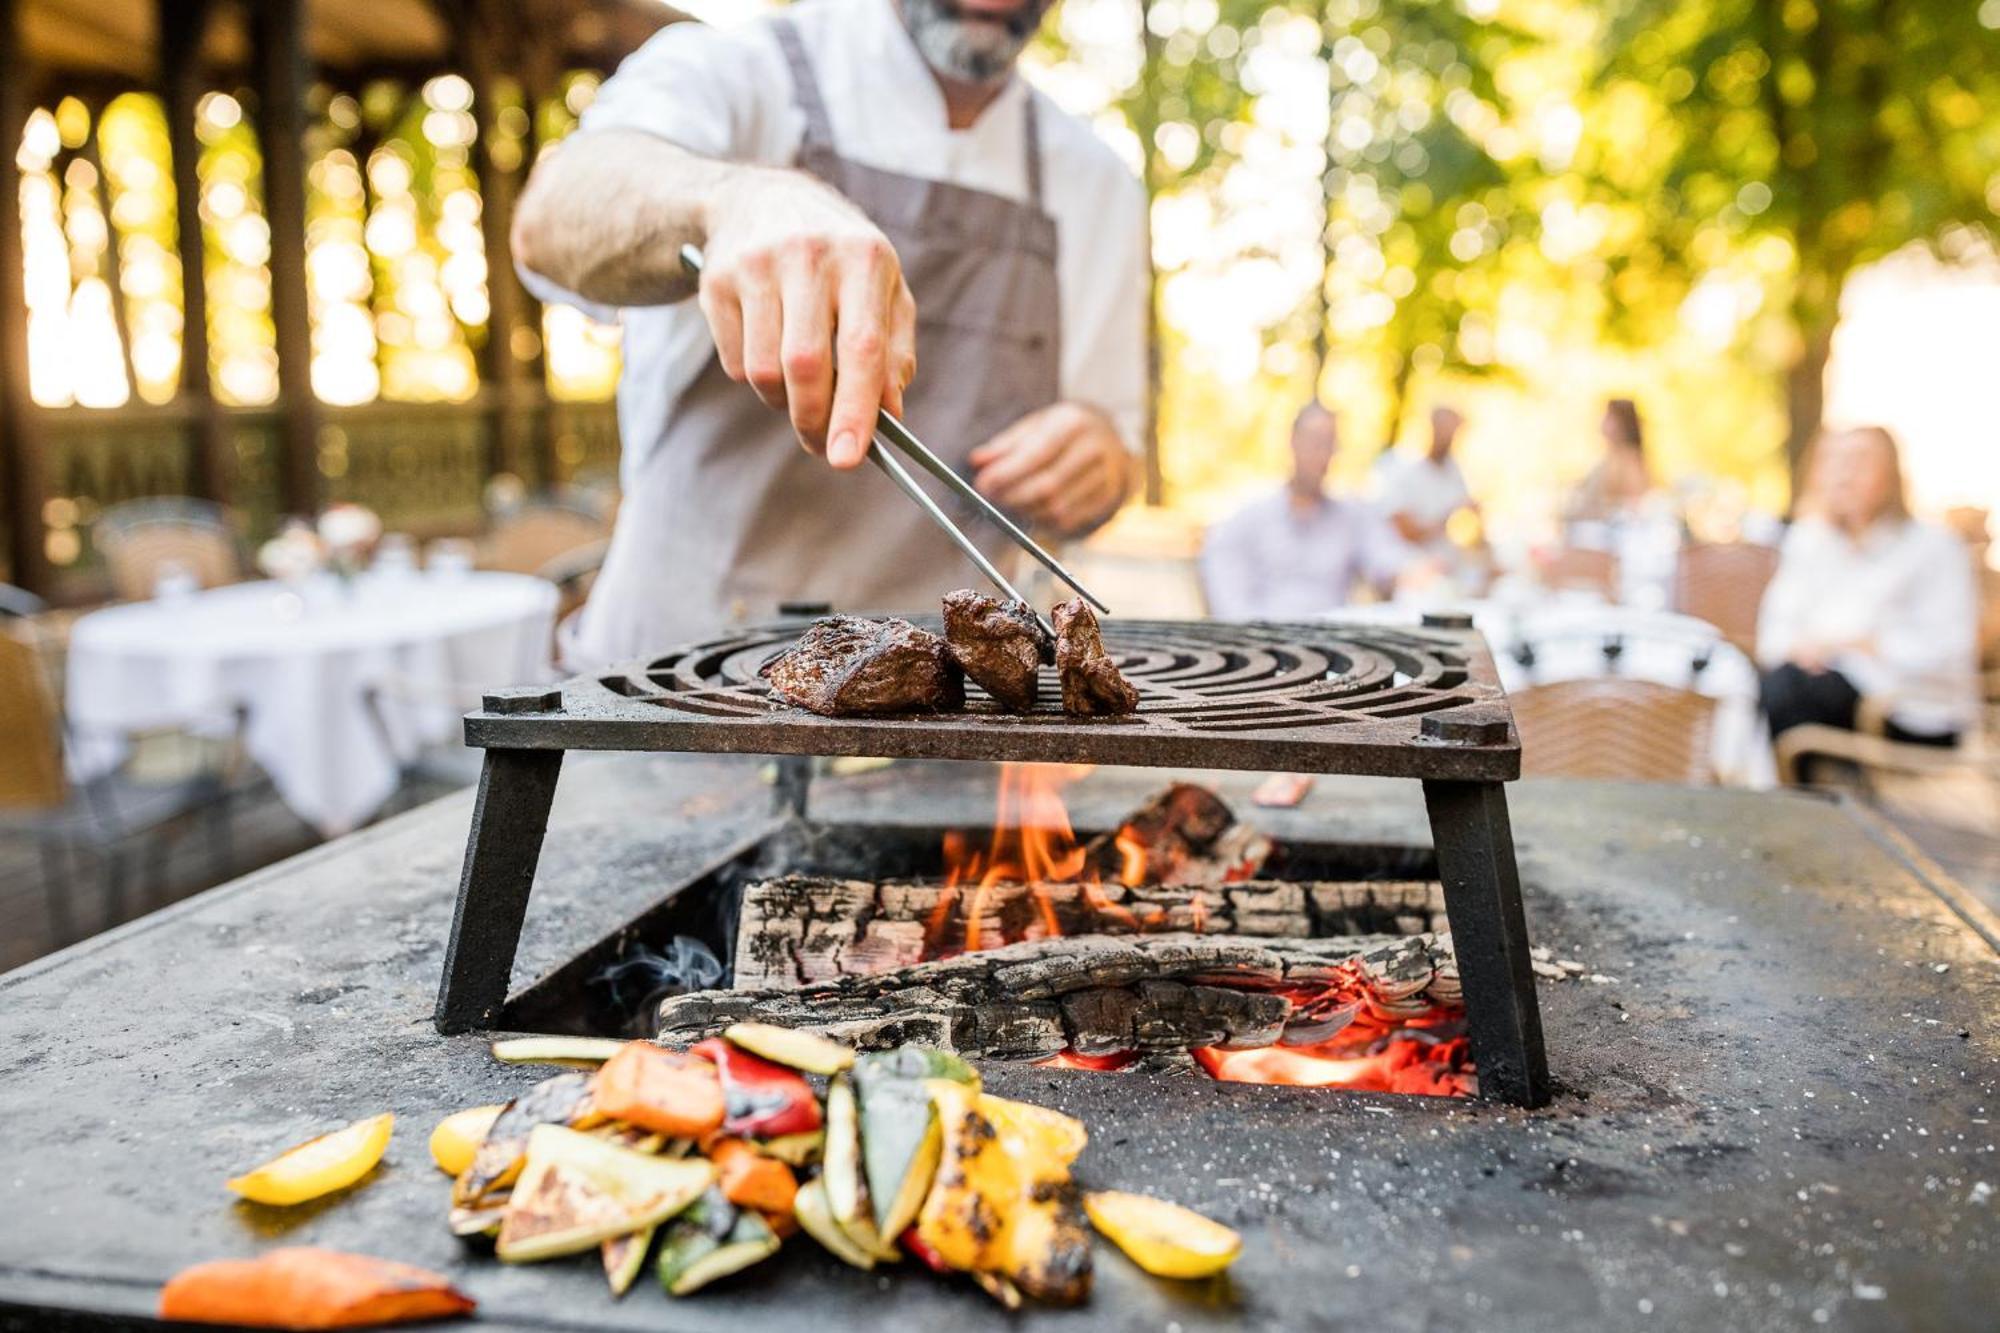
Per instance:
{"type": "Point", "coordinates": [1723, 583]}
{"type": "Point", "coordinates": [31, 761]}
{"type": "Point", "coordinates": [141, 538]}
{"type": "Point", "coordinates": [529, 539]}
{"type": "Point", "coordinates": [1612, 728]}
{"type": "Point", "coordinates": [1586, 568]}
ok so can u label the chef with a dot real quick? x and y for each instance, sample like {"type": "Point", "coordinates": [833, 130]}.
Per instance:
{"type": "Point", "coordinates": [891, 218]}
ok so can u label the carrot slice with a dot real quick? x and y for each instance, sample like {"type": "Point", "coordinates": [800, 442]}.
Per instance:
{"type": "Point", "coordinates": [751, 1180]}
{"type": "Point", "coordinates": [302, 1287]}
{"type": "Point", "coordinates": [669, 1092]}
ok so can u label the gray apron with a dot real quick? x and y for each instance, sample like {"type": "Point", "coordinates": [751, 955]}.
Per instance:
{"type": "Point", "coordinates": [729, 516]}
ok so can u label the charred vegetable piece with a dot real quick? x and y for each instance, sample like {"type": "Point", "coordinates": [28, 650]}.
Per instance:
{"type": "Point", "coordinates": [624, 1256]}
{"type": "Point", "coordinates": [485, 1220]}
{"type": "Point", "coordinates": [672, 1092]}
{"type": "Point", "coordinates": [914, 1245]}
{"type": "Point", "coordinates": [1000, 1289]}
{"type": "Point", "coordinates": [562, 1100]}
{"type": "Point", "coordinates": [846, 1188]}
{"type": "Point", "coordinates": [577, 1052]}
{"type": "Point", "coordinates": [899, 1134]}
{"type": "Point", "coordinates": [1163, 1238]}
{"type": "Point", "coordinates": [1003, 1203]}
{"type": "Point", "coordinates": [711, 1240]}
{"type": "Point", "coordinates": [319, 1166]}
{"type": "Point", "coordinates": [793, 1149]}
{"type": "Point", "coordinates": [577, 1191]}
{"type": "Point", "coordinates": [760, 1099]}
{"type": "Point", "coordinates": [458, 1136]}
{"type": "Point", "coordinates": [1059, 1136]}
{"type": "Point", "coordinates": [815, 1215]}
{"type": "Point", "coordinates": [301, 1287]}
{"type": "Point", "coordinates": [750, 1180]}
{"type": "Point", "coordinates": [787, 1046]}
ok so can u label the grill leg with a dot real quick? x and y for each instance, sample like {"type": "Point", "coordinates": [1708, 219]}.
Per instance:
{"type": "Point", "coordinates": [794, 785]}
{"type": "Point", "coordinates": [509, 817]}
{"type": "Point", "coordinates": [1489, 933]}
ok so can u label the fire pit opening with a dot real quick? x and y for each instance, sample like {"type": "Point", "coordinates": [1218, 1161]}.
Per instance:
{"type": "Point", "coordinates": [1184, 939]}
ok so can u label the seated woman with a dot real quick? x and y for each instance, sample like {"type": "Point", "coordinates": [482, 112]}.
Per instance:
{"type": "Point", "coordinates": [1868, 603]}
{"type": "Point", "coordinates": [1622, 481]}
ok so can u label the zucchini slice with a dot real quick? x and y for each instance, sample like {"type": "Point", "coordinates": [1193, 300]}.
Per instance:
{"type": "Point", "coordinates": [712, 1239]}
{"type": "Point", "coordinates": [815, 1216]}
{"type": "Point", "coordinates": [577, 1052]}
{"type": "Point", "coordinates": [787, 1046]}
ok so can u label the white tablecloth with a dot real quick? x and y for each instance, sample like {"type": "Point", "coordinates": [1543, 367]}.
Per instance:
{"type": "Point", "coordinates": [1568, 637]}
{"type": "Point", "coordinates": [300, 664]}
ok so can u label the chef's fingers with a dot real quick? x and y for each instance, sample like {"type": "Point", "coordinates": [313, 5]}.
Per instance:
{"type": "Point", "coordinates": [902, 347]}
{"type": "Point", "coordinates": [870, 278]}
{"type": "Point", "coordinates": [1094, 494]}
{"type": "Point", "coordinates": [1020, 452]}
{"type": "Point", "coordinates": [725, 321]}
{"type": "Point", "coordinates": [1003, 444]}
{"type": "Point", "coordinates": [763, 326]}
{"type": "Point", "coordinates": [1067, 479]}
{"type": "Point", "coordinates": [806, 352]}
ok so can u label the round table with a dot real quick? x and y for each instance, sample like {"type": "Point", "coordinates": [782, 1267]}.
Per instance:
{"type": "Point", "coordinates": [337, 683]}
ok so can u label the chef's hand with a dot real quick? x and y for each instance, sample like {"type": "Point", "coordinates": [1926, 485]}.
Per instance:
{"type": "Point", "coordinates": [806, 299]}
{"type": "Point", "coordinates": [1062, 467]}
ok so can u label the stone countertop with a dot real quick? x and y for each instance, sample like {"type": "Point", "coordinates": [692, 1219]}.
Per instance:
{"type": "Point", "coordinates": [1775, 1112]}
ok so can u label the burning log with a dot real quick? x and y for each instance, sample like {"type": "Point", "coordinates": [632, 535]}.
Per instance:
{"type": "Point", "coordinates": [1096, 994]}
{"type": "Point", "coordinates": [799, 929]}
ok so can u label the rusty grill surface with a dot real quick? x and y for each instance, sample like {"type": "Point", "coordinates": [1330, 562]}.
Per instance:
{"type": "Point", "coordinates": [1420, 703]}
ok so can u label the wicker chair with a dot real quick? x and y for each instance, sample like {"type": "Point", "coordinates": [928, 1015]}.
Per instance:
{"type": "Point", "coordinates": [1611, 728]}
{"type": "Point", "coordinates": [116, 818]}
{"type": "Point", "coordinates": [531, 538]}
{"type": "Point", "coordinates": [1585, 568]}
{"type": "Point", "coordinates": [1723, 583]}
{"type": "Point", "coordinates": [141, 538]}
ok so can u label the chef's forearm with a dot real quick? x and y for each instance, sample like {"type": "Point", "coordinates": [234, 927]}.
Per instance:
{"type": "Point", "coordinates": [605, 216]}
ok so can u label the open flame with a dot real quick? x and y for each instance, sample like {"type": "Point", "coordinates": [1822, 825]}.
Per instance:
{"type": "Point", "coordinates": [1033, 843]}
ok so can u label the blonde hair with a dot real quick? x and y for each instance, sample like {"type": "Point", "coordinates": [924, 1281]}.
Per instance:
{"type": "Point", "coordinates": [1897, 505]}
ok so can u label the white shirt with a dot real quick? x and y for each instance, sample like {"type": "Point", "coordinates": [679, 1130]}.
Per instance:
{"type": "Point", "coordinates": [728, 94]}
{"type": "Point", "coordinates": [1428, 492]}
{"type": "Point", "coordinates": [1907, 588]}
{"type": "Point", "coordinates": [1275, 561]}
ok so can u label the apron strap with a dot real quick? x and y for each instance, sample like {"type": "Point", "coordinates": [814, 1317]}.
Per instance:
{"type": "Point", "coordinates": [805, 87]}
{"type": "Point", "coordinates": [1031, 140]}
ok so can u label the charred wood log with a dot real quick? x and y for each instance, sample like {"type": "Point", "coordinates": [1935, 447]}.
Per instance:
{"type": "Point", "coordinates": [1097, 993]}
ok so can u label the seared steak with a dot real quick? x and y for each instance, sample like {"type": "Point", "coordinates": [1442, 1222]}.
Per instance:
{"type": "Point", "coordinates": [847, 666]}
{"type": "Point", "coordinates": [999, 644]}
{"type": "Point", "coordinates": [1091, 685]}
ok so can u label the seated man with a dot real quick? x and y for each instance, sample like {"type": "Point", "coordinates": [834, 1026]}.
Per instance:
{"type": "Point", "coordinates": [1299, 551]}
{"type": "Point", "coordinates": [1421, 494]}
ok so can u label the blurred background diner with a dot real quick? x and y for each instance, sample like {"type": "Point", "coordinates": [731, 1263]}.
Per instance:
{"type": "Point", "coordinates": [1664, 349]}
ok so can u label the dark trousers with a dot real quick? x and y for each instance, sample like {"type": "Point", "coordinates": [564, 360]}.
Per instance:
{"type": "Point", "coordinates": [1794, 697]}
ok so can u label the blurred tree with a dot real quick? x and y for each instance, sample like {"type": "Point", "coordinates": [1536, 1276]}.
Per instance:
{"type": "Point", "coordinates": [1842, 130]}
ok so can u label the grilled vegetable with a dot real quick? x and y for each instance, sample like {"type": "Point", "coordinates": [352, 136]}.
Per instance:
{"type": "Point", "coordinates": [624, 1256]}
{"type": "Point", "coordinates": [793, 1149]}
{"type": "Point", "coordinates": [815, 1214]}
{"type": "Point", "coordinates": [577, 1052]}
{"type": "Point", "coordinates": [562, 1100]}
{"type": "Point", "coordinates": [1163, 1238]}
{"type": "Point", "coordinates": [319, 1166]}
{"type": "Point", "coordinates": [672, 1092]}
{"type": "Point", "coordinates": [577, 1190]}
{"type": "Point", "coordinates": [761, 1099]}
{"type": "Point", "coordinates": [458, 1136]}
{"type": "Point", "coordinates": [484, 1220]}
{"type": "Point", "coordinates": [1052, 1133]}
{"type": "Point", "coordinates": [300, 1287]}
{"type": "Point", "coordinates": [899, 1134]}
{"type": "Point", "coordinates": [711, 1240]}
{"type": "Point", "coordinates": [1003, 1203]}
{"type": "Point", "coordinates": [846, 1190]}
{"type": "Point", "coordinates": [797, 1050]}
{"type": "Point", "coordinates": [752, 1181]}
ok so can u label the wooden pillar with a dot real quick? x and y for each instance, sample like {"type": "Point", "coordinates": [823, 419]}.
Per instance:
{"type": "Point", "coordinates": [486, 35]}
{"type": "Point", "coordinates": [281, 123]}
{"type": "Point", "coordinates": [22, 466]}
{"type": "Point", "coordinates": [182, 24]}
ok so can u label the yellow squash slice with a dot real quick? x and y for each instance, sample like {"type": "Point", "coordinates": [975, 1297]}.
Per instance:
{"type": "Point", "coordinates": [319, 1167]}
{"type": "Point", "coordinates": [575, 1052]}
{"type": "Point", "coordinates": [1163, 1238]}
{"type": "Point", "coordinates": [458, 1136]}
{"type": "Point", "coordinates": [578, 1190]}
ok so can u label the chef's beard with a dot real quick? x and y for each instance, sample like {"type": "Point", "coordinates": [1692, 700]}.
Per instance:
{"type": "Point", "coordinates": [970, 50]}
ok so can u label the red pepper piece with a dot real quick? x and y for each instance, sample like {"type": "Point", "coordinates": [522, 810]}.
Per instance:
{"type": "Point", "coordinates": [763, 1100]}
{"type": "Point", "coordinates": [914, 1245]}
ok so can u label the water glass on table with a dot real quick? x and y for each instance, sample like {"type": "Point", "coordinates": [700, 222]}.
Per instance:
{"type": "Point", "coordinates": [450, 557]}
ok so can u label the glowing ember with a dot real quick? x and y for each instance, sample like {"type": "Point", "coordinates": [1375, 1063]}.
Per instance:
{"type": "Point", "coordinates": [1101, 1063]}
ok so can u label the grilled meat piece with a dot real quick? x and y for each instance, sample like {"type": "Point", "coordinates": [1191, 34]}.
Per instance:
{"type": "Point", "coordinates": [999, 644]}
{"type": "Point", "coordinates": [848, 666]}
{"type": "Point", "coordinates": [1091, 685]}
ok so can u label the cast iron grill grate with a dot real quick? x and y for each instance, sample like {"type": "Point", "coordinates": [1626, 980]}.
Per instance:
{"type": "Point", "coordinates": [1310, 698]}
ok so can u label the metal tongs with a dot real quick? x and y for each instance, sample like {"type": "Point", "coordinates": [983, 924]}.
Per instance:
{"type": "Point", "coordinates": [893, 434]}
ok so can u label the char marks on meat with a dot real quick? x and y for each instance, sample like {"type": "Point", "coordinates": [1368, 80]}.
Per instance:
{"type": "Point", "coordinates": [1091, 685]}
{"type": "Point", "coordinates": [849, 666]}
{"type": "Point", "coordinates": [999, 644]}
